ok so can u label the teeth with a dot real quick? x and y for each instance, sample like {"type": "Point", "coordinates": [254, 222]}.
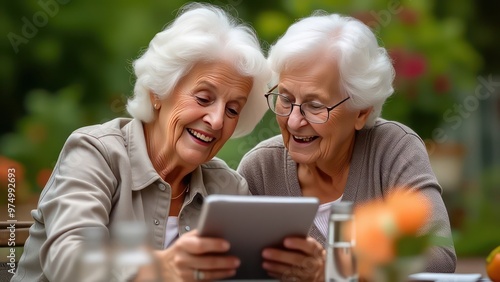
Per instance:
{"type": "Point", "coordinates": [201, 136]}
{"type": "Point", "coordinates": [305, 139]}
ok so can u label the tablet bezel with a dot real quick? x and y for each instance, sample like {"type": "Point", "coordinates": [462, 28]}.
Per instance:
{"type": "Point", "coordinates": [252, 223]}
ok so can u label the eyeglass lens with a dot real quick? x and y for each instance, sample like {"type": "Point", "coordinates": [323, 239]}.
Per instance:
{"type": "Point", "coordinates": [312, 111]}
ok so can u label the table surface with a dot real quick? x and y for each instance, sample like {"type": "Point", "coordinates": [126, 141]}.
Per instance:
{"type": "Point", "coordinates": [471, 265]}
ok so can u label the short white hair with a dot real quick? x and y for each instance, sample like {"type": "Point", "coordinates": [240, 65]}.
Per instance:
{"type": "Point", "coordinates": [366, 71]}
{"type": "Point", "coordinates": [200, 33]}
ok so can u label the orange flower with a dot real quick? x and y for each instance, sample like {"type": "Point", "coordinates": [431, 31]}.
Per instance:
{"type": "Point", "coordinates": [43, 176]}
{"type": "Point", "coordinates": [380, 224]}
{"type": "Point", "coordinates": [411, 210]}
{"type": "Point", "coordinates": [374, 226]}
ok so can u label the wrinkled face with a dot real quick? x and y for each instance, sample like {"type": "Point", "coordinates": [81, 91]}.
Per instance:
{"type": "Point", "coordinates": [316, 81]}
{"type": "Point", "coordinates": [203, 111]}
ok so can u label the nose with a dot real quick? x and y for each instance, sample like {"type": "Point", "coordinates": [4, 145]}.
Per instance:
{"type": "Point", "coordinates": [215, 116]}
{"type": "Point", "coordinates": [296, 119]}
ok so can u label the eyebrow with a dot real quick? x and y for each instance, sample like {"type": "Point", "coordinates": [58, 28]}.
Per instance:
{"type": "Point", "coordinates": [307, 95]}
{"type": "Point", "coordinates": [208, 85]}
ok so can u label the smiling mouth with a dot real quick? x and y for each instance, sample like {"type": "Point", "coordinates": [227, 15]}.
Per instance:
{"type": "Point", "coordinates": [200, 136]}
{"type": "Point", "coordinates": [304, 139]}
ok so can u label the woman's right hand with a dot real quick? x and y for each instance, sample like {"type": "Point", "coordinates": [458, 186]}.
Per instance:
{"type": "Point", "coordinates": [191, 254]}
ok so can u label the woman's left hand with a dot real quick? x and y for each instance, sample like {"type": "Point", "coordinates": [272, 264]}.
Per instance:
{"type": "Point", "coordinates": [303, 259]}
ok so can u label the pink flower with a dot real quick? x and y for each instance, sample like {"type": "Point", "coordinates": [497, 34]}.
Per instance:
{"type": "Point", "coordinates": [408, 65]}
{"type": "Point", "coordinates": [409, 16]}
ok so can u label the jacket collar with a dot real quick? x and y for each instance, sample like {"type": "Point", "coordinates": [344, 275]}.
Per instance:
{"type": "Point", "coordinates": [197, 184]}
{"type": "Point", "coordinates": [143, 172]}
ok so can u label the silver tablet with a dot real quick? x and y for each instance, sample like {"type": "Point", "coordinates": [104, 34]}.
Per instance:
{"type": "Point", "coordinates": [252, 223]}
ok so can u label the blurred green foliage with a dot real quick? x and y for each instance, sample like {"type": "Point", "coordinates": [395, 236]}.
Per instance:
{"type": "Point", "coordinates": [480, 232]}
{"type": "Point", "coordinates": [66, 64]}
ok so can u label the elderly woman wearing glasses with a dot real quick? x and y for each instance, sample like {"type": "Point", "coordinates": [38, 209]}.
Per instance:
{"type": "Point", "coordinates": [333, 79]}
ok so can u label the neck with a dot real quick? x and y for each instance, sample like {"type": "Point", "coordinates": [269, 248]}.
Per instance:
{"type": "Point", "coordinates": [325, 179]}
{"type": "Point", "coordinates": [315, 182]}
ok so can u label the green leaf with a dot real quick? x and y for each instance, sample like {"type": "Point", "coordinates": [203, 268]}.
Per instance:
{"type": "Point", "coordinates": [412, 245]}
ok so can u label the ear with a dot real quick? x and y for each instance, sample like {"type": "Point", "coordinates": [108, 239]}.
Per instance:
{"type": "Point", "coordinates": [362, 117]}
{"type": "Point", "coordinates": [154, 101]}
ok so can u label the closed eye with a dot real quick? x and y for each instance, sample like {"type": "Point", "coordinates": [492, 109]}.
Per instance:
{"type": "Point", "coordinates": [284, 101]}
{"type": "Point", "coordinates": [315, 105]}
{"type": "Point", "coordinates": [232, 113]}
{"type": "Point", "coordinates": [203, 101]}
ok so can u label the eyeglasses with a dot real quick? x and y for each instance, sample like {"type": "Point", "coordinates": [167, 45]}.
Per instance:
{"type": "Point", "coordinates": [313, 112]}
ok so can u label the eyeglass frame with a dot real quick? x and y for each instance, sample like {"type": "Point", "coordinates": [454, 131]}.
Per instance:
{"type": "Point", "coordinates": [328, 109]}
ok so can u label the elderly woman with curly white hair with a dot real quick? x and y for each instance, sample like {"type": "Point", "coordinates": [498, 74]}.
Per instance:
{"type": "Point", "coordinates": [199, 83]}
{"type": "Point", "coordinates": [332, 81]}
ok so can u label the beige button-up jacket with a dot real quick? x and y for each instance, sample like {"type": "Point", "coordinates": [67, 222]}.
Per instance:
{"type": "Point", "coordinates": [104, 176]}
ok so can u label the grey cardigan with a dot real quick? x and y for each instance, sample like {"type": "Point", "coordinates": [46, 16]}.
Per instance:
{"type": "Point", "coordinates": [387, 155]}
{"type": "Point", "coordinates": [104, 176]}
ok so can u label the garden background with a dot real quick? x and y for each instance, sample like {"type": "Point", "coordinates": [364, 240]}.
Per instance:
{"type": "Point", "coordinates": [67, 63]}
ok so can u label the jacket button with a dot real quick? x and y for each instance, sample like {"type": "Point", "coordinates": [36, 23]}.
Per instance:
{"type": "Point", "coordinates": [162, 186]}
{"type": "Point", "coordinates": [187, 228]}
{"type": "Point", "coordinates": [157, 222]}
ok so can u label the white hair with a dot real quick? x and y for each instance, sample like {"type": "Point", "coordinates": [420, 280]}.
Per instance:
{"type": "Point", "coordinates": [366, 71]}
{"type": "Point", "coordinates": [201, 33]}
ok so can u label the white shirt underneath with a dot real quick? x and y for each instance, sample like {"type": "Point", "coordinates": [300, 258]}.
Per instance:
{"type": "Point", "coordinates": [323, 215]}
{"type": "Point", "coordinates": [172, 231]}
